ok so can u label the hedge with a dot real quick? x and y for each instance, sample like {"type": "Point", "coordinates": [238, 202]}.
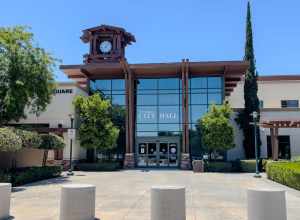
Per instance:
{"type": "Point", "coordinates": [222, 167]}
{"type": "Point", "coordinates": [287, 173]}
{"type": "Point", "coordinates": [245, 166]}
{"type": "Point", "coordinates": [29, 175]}
{"type": "Point", "coordinates": [100, 166]}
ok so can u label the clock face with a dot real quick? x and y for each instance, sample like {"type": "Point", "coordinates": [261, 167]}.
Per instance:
{"type": "Point", "coordinates": [105, 46]}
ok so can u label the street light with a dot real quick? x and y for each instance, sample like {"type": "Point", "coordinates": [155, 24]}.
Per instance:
{"type": "Point", "coordinates": [255, 117]}
{"type": "Point", "coordinates": [70, 134]}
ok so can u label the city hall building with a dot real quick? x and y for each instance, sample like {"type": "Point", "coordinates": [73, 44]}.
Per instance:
{"type": "Point", "coordinates": [162, 103]}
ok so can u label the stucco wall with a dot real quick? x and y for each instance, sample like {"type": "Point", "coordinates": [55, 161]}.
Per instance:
{"type": "Point", "coordinates": [270, 92]}
{"type": "Point", "coordinates": [24, 158]}
{"type": "Point", "coordinates": [238, 151]}
{"type": "Point", "coordinates": [58, 112]}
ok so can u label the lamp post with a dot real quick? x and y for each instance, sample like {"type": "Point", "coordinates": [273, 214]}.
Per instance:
{"type": "Point", "coordinates": [70, 171]}
{"type": "Point", "coordinates": [255, 116]}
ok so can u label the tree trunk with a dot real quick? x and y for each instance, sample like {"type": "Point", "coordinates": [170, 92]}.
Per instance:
{"type": "Point", "coordinates": [45, 156]}
{"type": "Point", "coordinates": [13, 161]}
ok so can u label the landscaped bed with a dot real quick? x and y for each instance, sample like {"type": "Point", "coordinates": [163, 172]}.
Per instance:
{"type": "Point", "coordinates": [99, 166]}
{"type": "Point", "coordinates": [236, 166]}
{"type": "Point", "coordinates": [287, 173]}
{"type": "Point", "coordinates": [22, 176]}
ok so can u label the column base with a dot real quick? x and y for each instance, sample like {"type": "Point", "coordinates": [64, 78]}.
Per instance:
{"type": "Point", "coordinates": [129, 162]}
{"type": "Point", "coordinates": [185, 163]}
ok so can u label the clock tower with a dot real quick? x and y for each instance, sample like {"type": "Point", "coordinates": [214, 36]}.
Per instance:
{"type": "Point", "coordinates": [107, 43]}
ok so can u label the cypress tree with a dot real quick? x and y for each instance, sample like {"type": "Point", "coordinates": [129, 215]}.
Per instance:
{"type": "Point", "coordinates": [250, 92]}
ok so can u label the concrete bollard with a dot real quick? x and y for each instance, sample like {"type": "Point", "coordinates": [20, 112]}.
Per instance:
{"type": "Point", "coordinates": [168, 203]}
{"type": "Point", "coordinates": [5, 191]}
{"type": "Point", "coordinates": [266, 205]}
{"type": "Point", "coordinates": [77, 202]}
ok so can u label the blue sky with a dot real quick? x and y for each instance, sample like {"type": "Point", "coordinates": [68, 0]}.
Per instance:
{"type": "Point", "coordinates": [167, 30]}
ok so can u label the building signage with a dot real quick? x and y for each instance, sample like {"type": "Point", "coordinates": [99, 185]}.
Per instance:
{"type": "Point", "coordinates": [63, 91]}
{"type": "Point", "coordinates": [150, 115]}
{"type": "Point", "coordinates": [71, 133]}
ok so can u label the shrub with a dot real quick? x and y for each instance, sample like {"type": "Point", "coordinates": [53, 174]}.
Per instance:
{"type": "Point", "coordinates": [214, 166]}
{"type": "Point", "coordinates": [287, 173]}
{"type": "Point", "coordinates": [100, 166]}
{"type": "Point", "coordinates": [9, 141]}
{"type": "Point", "coordinates": [33, 174]}
{"type": "Point", "coordinates": [5, 177]}
{"type": "Point", "coordinates": [248, 166]}
{"type": "Point", "coordinates": [51, 141]}
{"type": "Point", "coordinates": [30, 139]}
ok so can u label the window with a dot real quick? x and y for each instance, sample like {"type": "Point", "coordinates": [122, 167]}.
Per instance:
{"type": "Point", "coordinates": [289, 103]}
{"type": "Point", "coordinates": [158, 107]}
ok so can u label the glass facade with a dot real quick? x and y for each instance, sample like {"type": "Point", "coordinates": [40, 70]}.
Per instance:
{"type": "Point", "coordinates": [203, 91]}
{"type": "Point", "coordinates": [114, 90]}
{"type": "Point", "coordinates": [158, 114]}
{"type": "Point", "coordinates": [158, 107]}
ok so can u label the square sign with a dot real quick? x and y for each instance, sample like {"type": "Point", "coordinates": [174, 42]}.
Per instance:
{"type": "Point", "coordinates": [71, 133]}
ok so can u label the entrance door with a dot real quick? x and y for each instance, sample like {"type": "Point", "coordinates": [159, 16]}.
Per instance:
{"type": "Point", "coordinates": [158, 152]}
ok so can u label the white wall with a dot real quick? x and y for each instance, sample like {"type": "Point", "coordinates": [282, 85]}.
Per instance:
{"type": "Point", "coordinates": [58, 112]}
{"type": "Point", "coordinates": [270, 92]}
{"type": "Point", "coordinates": [238, 151]}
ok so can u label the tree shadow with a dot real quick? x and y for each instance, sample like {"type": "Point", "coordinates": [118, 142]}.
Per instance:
{"type": "Point", "coordinates": [57, 180]}
{"type": "Point", "coordinates": [18, 189]}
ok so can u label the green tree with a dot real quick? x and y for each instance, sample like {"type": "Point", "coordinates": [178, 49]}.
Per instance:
{"type": "Point", "coordinates": [216, 129]}
{"type": "Point", "coordinates": [118, 119]}
{"type": "Point", "coordinates": [9, 140]}
{"type": "Point", "coordinates": [30, 139]}
{"type": "Point", "coordinates": [50, 142]}
{"type": "Point", "coordinates": [96, 129]}
{"type": "Point", "coordinates": [26, 75]}
{"type": "Point", "coordinates": [250, 93]}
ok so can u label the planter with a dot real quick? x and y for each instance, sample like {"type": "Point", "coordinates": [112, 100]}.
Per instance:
{"type": "Point", "coordinates": [198, 166]}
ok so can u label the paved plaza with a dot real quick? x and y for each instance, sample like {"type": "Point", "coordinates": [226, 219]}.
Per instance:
{"type": "Point", "coordinates": [126, 195]}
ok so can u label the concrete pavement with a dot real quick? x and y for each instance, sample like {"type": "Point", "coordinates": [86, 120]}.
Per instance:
{"type": "Point", "coordinates": [126, 195]}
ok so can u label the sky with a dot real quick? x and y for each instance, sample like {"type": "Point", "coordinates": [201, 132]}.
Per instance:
{"type": "Point", "coordinates": [167, 30]}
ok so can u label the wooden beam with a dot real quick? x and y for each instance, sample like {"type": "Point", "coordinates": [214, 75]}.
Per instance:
{"type": "Point", "coordinates": [76, 77]}
{"type": "Point", "coordinates": [187, 106]}
{"type": "Point", "coordinates": [183, 104]}
{"type": "Point", "coordinates": [129, 104]}
{"type": "Point", "coordinates": [276, 144]}
{"type": "Point", "coordinates": [230, 84]}
{"type": "Point", "coordinates": [232, 79]}
{"type": "Point", "coordinates": [127, 107]}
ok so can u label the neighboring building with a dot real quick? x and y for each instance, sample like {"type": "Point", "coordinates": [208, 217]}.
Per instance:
{"type": "Point", "coordinates": [279, 99]}
{"type": "Point", "coordinates": [55, 119]}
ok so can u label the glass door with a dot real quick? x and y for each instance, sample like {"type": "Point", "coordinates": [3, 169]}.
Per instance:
{"type": "Point", "coordinates": [142, 155]}
{"type": "Point", "coordinates": [152, 154]}
{"type": "Point", "coordinates": [173, 154]}
{"type": "Point", "coordinates": [163, 155]}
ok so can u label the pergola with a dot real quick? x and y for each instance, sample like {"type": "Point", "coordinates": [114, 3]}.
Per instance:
{"type": "Point", "coordinates": [274, 132]}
